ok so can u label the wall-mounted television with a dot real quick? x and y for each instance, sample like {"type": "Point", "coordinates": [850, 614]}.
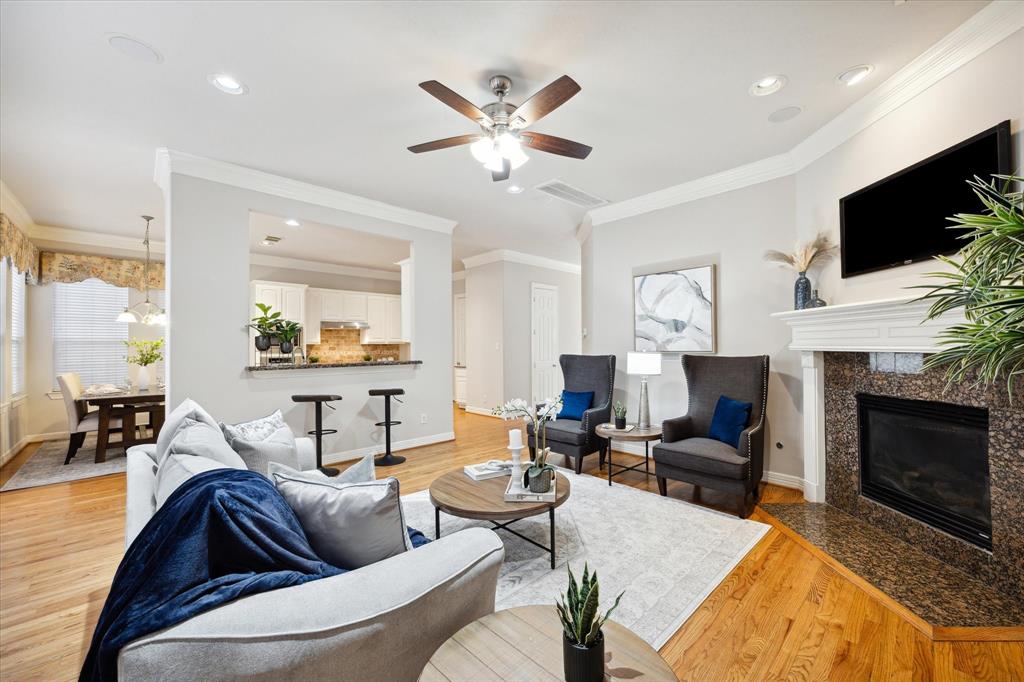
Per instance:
{"type": "Point", "coordinates": [904, 218]}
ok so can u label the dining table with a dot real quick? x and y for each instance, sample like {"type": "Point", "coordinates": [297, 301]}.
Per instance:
{"type": "Point", "coordinates": [124, 403]}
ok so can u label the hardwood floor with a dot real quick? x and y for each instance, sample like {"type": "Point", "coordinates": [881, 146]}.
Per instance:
{"type": "Point", "coordinates": [781, 614]}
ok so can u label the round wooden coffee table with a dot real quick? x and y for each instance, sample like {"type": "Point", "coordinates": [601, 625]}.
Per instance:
{"type": "Point", "coordinates": [525, 643]}
{"type": "Point", "coordinates": [457, 494]}
{"type": "Point", "coordinates": [647, 434]}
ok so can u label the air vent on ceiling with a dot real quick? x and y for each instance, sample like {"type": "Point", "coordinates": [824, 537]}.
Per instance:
{"type": "Point", "coordinates": [570, 194]}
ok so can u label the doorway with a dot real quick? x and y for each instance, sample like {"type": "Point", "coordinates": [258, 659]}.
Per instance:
{"type": "Point", "coordinates": [545, 375]}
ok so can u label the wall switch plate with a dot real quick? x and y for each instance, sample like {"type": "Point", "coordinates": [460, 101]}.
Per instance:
{"type": "Point", "coordinates": [423, 418]}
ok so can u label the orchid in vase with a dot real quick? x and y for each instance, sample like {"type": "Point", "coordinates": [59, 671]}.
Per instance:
{"type": "Point", "coordinates": [540, 473]}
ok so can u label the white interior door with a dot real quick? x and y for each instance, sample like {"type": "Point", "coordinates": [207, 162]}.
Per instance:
{"type": "Point", "coordinates": [546, 376]}
{"type": "Point", "coordinates": [459, 332]}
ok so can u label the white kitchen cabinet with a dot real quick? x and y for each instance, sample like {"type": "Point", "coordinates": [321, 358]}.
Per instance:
{"type": "Point", "coordinates": [354, 305]}
{"type": "Point", "coordinates": [314, 315]}
{"type": "Point", "coordinates": [377, 318]}
{"type": "Point", "coordinates": [288, 299]}
{"type": "Point", "coordinates": [332, 305]}
{"type": "Point", "coordinates": [394, 332]}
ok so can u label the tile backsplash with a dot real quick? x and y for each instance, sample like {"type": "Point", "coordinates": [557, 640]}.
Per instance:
{"type": "Point", "coordinates": [342, 345]}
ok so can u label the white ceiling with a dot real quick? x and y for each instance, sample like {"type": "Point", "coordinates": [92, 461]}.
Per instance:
{"type": "Point", "coordinates": [333, 97]}
{"type": "Point", "coordinates": [325, 243]}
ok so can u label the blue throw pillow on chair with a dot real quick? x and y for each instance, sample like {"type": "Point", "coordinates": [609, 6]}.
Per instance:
{"type": "Point", "coordinates": [730, 418]}
{"type": "Point", "coordinates": [575, 404]}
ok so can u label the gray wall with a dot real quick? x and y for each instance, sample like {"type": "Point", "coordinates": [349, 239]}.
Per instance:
{"type": "Point", "coordinates": [208, 274]}
{"type": "Point", "coordinates": [484, 336]}
{"type": "Point", "coordinates": [732, 231]}
{"type": "Point", "coordinates": [325, 280]}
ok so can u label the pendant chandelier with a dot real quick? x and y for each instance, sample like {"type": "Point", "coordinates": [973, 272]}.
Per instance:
{"type": "Point", "coordinates": [146, 312]}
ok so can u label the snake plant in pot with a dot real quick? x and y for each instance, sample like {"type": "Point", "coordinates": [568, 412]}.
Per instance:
{"type": "Point", "coordinates": [582, 639]}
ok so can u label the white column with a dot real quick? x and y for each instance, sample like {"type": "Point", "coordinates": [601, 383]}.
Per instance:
{"type": "Point", "coordinates": [813, 363]}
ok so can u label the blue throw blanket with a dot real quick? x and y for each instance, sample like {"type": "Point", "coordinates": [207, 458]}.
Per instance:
{"type": "Point", "coordinates": [222, 535]}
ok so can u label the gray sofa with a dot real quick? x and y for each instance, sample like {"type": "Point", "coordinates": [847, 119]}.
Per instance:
{"type": "Point", "coordinates": [577, 439]}
{"type": "Point", "coordinates": [380, 622]}
{"type": "Point", "coordinates": [687, 454]}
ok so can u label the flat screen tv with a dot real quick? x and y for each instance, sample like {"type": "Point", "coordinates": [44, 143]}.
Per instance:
{"type": "Point", "coordinates": [904, 218]}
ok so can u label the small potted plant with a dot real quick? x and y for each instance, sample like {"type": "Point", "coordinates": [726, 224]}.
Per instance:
{"type": "Point", "coordinates": [367, 357]}
{"type": "Point", "coordinates": [540, 473]}
{"type": "Point", "coordinates": [144, 354]}
{"type": "Point", "coordinates": [265, 325]}
{"type": "Point", "coordinates": [620, 415]}
{"type": "Point", "coordinates": [287, 332]}
{"type": "Point", "coordinates": [314, 359]}
{"type": "Point", "coordinates": [582, 639]}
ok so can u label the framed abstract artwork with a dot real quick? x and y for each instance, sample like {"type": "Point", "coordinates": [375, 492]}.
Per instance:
{"type": "Point", "coordinates": [674, 312]}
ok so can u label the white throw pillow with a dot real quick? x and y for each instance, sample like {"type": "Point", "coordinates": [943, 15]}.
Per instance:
{"type": "Point", "coordinates": [349, 525]}
{"type": "Point", "coordinates": [199, 439]}
{"type": "Point", "coordinates": [176, 469]}
{"type": "Point", "coordinates": [255, 430]}
{"type": "Point", "coordinates": [278, 447]}
{"type": "Point", "coordinates": [187, 409]}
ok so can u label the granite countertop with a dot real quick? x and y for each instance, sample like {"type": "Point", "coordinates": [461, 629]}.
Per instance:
{"type": "Point", "coordinates": [328, 365]}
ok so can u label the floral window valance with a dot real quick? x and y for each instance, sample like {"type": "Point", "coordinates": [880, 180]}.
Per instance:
{"type": "Point", "coordinates": [14, 245]}
{"type": "Point", "coordinates": [121, 272]}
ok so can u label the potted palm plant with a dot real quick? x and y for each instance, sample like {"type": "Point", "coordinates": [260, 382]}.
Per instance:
{"type": "Point", "coordinates": [986, 279]}
{"type": "Point", "coordinates": [540, 473]}
{"type": "Point", "coordinates": [144, 354]}
{"type": "Point", "coordinates": [265, 324]}
{"type": "Point", "coordinates": [287, 332]}
{"type": "Point", "coordinates": [582, 639]}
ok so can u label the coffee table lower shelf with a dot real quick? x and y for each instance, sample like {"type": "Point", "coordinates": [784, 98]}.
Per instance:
{"type": "Point", "coordinates": [505, 527]}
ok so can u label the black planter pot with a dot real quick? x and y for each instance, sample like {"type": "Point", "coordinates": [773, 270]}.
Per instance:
{"type": "Point", "coordinates": [620, 423]}
{"type": "Point", "coordinates": [287, 347]}
{"type": "Point", "coordinates": [262, 342]}
{"type": "Point", "coordinates": [583, 663]}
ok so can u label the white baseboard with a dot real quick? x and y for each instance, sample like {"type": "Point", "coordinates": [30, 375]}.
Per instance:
{"type": "Point", "coordinates": [31, 438]}
{"type": "Point", "coordinates": [484, 411]}
{"type": "Point", "coordinates": [785, 480]}
{"type": "Point", "coordinates": [397, 445]}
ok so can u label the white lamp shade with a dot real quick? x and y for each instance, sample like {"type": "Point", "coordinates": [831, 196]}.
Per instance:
{"type": "Point", "coordinates": [646, 364]}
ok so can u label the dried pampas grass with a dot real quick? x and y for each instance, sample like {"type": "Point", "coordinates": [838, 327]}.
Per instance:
{"type": "Point", "coordinates": [820, 250]}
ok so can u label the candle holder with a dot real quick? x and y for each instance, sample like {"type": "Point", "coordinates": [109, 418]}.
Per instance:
{"type": "Point", "coordinates": [517, 466]}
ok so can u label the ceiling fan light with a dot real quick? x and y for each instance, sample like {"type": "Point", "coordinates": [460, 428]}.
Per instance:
{"type": "Point", "coordinates": [508, 145]}
{"type": "Point", "coordinates": [517, 158]}
{"type": "Point", "coordinates": [482, 149]}
{"type": "Point", "coordinates": [496, 163]}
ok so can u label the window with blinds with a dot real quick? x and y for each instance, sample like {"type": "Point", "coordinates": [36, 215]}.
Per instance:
{"type": "Point", "coordinates": [87, 339]}
{"type": "Point", "coordinates": [17, 332]}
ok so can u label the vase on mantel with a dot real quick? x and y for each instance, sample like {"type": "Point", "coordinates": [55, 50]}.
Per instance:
{"type": "Point", "coordinates": [801, 292]}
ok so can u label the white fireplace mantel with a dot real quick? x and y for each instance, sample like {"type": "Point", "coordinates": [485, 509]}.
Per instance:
{"type": "Point", "coordinates": [889, 326]}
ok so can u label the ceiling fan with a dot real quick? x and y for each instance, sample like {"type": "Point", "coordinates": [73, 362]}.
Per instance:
{"type": "Point", "coordinates": [499, 144]}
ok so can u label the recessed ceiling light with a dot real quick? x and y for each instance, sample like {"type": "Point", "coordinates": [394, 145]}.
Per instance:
{"type": "Point", "coordinates": [226, 83]}
{"type": "Point", "coordinates": [855, 74]}
{"type": "Point", "coordinates": [292, 222]}
{"type": "Point", "coordinates": [784, 114]}
{"type": "Point", "coordinates": [514, 189]}
{"type": "Point", "coordinates": [768, 85]}
{"type": "Point", "coordinates": [134, 48]}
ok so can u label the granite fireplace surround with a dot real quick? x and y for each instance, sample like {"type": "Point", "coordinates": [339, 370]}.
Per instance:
{"type": "Point", "coordinates": [845, 375]}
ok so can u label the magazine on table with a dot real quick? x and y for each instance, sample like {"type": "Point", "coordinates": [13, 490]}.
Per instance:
{"type": "Point", "coordinates": [490, 469]}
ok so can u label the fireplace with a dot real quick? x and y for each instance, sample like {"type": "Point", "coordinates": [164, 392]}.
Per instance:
{"type": "Point", "coordinates": [928, 460]}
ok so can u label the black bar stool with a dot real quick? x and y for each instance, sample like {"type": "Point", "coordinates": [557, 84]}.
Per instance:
{"type": "Point", "coordinates": [319, 399]}
{"type": "Point", "coordinates": [388, 459]}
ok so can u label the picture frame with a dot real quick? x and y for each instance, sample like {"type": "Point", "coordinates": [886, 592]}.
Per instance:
{"type": "Point", "coordinates": [675, 311]}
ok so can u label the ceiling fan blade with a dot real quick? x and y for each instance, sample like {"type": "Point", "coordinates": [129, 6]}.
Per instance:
{"type": "Point", "coordinates": [443, 144]}
{"type": "Point", "coordinates": [546, 100]}
{"type": "Point", "coordinates": [506, 170]}
{"type": "Point", "coordinates": [555, 145]}
{"type": "Point", "coordinates": [457, 102]}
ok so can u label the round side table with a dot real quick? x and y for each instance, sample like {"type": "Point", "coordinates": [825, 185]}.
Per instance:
{"type": "Point", "coordinates": [525, 643]}
{"type": "Point", "coordinates": [636, 434]}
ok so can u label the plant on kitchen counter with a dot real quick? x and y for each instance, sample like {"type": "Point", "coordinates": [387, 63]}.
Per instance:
{"type": "Point", "coordinates": [367, 357]}
{"type": "Point", "coordinates": [265, 325]}
{"type": "Point", "coordinates": [314, 359]}
{"type": "Point", "coordinates": [287, 332]}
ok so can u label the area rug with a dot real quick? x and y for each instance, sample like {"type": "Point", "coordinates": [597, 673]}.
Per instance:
{"type": "Point", "coordinates": [668, 555]}
{"type": "Point", "coordinates": [47, 464]}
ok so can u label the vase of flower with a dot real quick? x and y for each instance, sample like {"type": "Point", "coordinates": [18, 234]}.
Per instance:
{"type": "Point", "coordinates": [540, 474]}
{"type": "Point", "coordinates": [801, 291]}
{"type": "Point", "coordinates": [144, 354]}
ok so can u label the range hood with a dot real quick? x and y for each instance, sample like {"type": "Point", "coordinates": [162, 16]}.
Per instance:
{"type": "Point", "coordinates": [343, 324]}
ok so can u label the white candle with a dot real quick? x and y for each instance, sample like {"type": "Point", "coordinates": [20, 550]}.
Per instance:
{"type": "Point", "coordinates": [515, 438]}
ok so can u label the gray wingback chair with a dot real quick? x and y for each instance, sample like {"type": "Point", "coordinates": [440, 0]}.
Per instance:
{"type": "Point", "coordinates": [577, 439]}
{"type": "Point", "coordinates": [687, 454]}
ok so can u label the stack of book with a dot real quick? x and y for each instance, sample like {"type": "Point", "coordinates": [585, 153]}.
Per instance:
{"type": "Point", "coordinates": [481, 472]}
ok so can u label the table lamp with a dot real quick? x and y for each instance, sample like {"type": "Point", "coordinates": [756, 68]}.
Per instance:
{"type": "Point", "coordinates": [646, 365]}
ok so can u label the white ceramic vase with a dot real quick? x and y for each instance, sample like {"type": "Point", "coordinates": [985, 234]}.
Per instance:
{"type": "Point", "coordinates": [144, 378]}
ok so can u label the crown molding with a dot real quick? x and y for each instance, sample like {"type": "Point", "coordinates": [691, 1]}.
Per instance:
{"type": "Point", "coordinates": [317, 266]}
{"type": "Point", "coordinates": [584, 229]}
{"type": "Point", "coordinates": [15, 210]}
{"type": "Point", "coordinates": [169, 161]}
{"type": "Point", "coordinates": [458, 275]}
{"type": "Point", "coordinates": [508, 256]}
{"type": "Point", "coordinates": [989, 26]}
{"type": "Point", "coordinates": [64, 237]}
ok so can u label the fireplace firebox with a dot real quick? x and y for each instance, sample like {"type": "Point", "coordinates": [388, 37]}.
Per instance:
{"type": "Point", "coordinates": [928, 460]}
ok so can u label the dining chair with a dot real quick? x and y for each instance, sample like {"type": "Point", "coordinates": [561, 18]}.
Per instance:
{"type": "Point", "coordinates": [80, 421]}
